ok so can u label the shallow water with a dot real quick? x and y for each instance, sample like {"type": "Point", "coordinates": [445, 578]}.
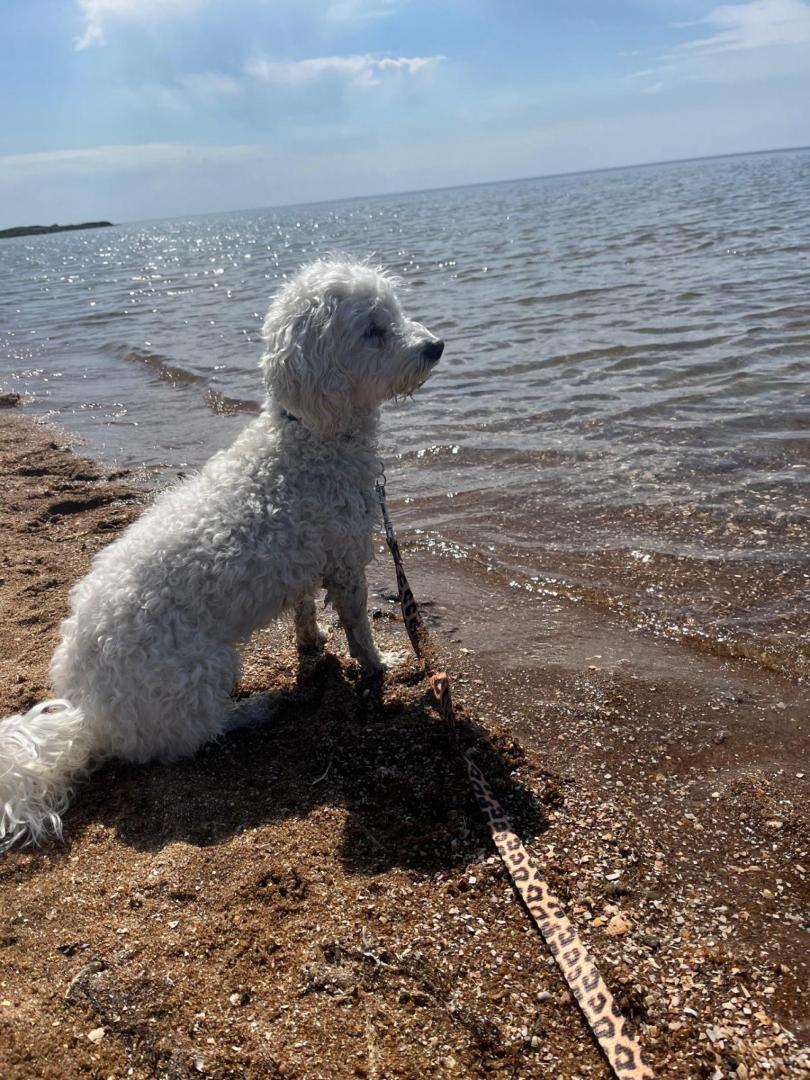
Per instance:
{"type": "Point", "coordinates": [621, 415]}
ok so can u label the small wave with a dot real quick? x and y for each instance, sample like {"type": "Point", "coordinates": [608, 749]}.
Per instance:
{"type": "Point", "coordinates": [161, 365]}
{"type": "Point", "coordinates": [96, 318]}
{"type": "Point", "coordinates": [500, 456]}
{"type": "Point", "coordinates": [223, 405]}
{"type": "Point", "coordinates": [577, 294]}
{"type": "Point", "coordinates": [617, 358]}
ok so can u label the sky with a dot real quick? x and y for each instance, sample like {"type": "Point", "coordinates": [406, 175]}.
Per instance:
{"type": "Point", "coordinates": [135, 109]}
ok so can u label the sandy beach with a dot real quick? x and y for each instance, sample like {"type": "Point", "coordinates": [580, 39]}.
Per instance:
{"type": "Point", "coordinates": [317, 897]}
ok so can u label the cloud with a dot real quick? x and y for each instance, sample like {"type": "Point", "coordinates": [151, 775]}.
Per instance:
{"type": "Point", "coordinates": [364, 69]}
{"type": "Point", "coordinates": [755, 25]}
{"type": "Point", "coordinates": [97, 13]}
{"type": "Point", "coordinates": [754, 41]}
{"type": "Point", "coordinates": [645, 73]}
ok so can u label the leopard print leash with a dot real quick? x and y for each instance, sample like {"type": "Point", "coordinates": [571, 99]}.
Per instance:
{"type": "Point", "coordinates": [611, 1029]}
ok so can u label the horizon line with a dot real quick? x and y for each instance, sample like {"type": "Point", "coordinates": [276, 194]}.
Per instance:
{"type": "Point", "coordinates": [480, 183]}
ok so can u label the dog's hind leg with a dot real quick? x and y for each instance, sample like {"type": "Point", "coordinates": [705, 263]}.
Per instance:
{"type": "Point", "coordinates": [309, 636]}
{"type": "Point", "coordinates": [166, 706]}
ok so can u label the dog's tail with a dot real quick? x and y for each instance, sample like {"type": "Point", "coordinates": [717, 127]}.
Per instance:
{"type": "Point", "coordinates": [41, 753]}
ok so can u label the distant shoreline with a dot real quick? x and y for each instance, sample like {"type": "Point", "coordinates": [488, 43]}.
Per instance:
{"type": "Point", "coordinates": [37, 230]}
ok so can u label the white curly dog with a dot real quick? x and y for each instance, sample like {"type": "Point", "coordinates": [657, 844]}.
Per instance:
{"type": "Point", "coordinates": [147, 657]}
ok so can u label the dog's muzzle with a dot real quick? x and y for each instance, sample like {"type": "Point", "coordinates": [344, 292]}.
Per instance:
{"type": "Point", "coordinates": [433, 351]}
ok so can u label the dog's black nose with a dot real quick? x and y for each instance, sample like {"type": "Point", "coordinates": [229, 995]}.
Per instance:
{"type": "Point", "coordinates": [433, 350]}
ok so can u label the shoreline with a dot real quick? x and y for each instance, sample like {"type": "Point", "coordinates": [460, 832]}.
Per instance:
{"type": "Point", "coordinates": [316, 896]}
{"type": "Point", "coordinates": [46, 230]}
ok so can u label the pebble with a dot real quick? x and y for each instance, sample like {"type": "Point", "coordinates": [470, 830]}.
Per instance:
{"type": "Point", "coordinates": [97, 1034]}
{"type": "Point", "coordinates": [618, 926]}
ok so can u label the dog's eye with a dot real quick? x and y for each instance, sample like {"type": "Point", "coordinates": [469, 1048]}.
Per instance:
{"type": "Point", "coordinates": [375, 333]}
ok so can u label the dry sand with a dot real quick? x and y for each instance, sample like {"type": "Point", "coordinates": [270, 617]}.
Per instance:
{"type": "Point", "coordinates": [317, 897]}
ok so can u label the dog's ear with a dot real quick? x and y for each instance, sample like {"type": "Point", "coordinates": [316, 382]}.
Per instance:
{"type": "Point", "coordinates": [302, 362]}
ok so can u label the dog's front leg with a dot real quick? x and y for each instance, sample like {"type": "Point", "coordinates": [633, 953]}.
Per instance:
{"type": "Point", "coordinates": [348, 592]}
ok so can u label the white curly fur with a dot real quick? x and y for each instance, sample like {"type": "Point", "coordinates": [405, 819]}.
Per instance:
{"type": "Point", "coordinates": [148, 657]}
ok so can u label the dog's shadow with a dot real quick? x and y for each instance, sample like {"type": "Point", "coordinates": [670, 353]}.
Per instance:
{"type": "Point", "coordinates": [331, 739]}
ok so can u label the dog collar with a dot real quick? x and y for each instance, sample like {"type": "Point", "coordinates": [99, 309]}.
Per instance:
{"type": "Point", "coordinates": [285, 414]}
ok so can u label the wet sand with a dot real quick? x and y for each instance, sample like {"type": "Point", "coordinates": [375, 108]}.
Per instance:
{"type": "Point", "coordinates": [317, 897]}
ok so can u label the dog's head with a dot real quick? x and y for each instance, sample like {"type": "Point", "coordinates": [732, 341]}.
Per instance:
{"type": "Point", "coordinates": [338, 345]}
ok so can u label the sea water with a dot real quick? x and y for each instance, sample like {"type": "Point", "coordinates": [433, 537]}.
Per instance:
{"type": "Point", "coordinates": [620, 417]}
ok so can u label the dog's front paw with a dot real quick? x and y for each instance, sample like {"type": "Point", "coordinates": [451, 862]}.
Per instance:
{"type": "Point", "coordinates": [371, 665]}
{"type": "Point", "coordinates": [313, 643]}
{"type": "Point", "coordinates": [385, 661]}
